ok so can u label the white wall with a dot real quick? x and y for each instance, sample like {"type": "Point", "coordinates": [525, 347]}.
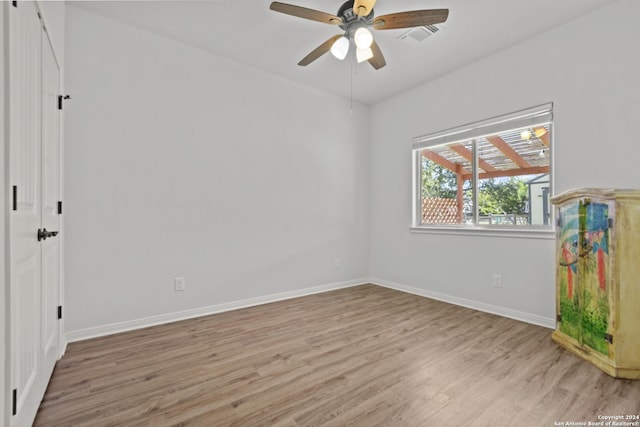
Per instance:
{"type": "Point", "coordinates": [183, 163]}
{"type": "Point", "coordinates": [589, 69]}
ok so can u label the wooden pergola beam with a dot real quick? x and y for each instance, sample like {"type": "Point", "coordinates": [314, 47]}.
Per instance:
{"type": "Point", "coordinates": [506, 149]}
{"type": "Point", "coordinates": [459, 194]}
{"type": "Point", "coordinates": [437, 158]}
{"type": "Point", "coordinates": [535, 170]}
{"type": "Point", "coordinates": [467, 154]}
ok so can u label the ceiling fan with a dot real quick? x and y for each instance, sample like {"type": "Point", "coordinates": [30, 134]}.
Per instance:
{"type": "Point", "coordinates": [355, 17]}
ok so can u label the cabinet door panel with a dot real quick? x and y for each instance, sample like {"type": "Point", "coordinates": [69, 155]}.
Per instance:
{"type": "Point", "coordinates": [568, 301]}
{"type": "Point", "coordinates": [594, 274]}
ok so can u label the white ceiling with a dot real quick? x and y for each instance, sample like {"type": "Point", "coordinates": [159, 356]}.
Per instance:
{"type": "Point", "coordinates": [248, 32]}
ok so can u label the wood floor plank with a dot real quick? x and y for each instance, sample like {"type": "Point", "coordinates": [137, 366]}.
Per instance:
{"type": "Point", "coordinates": [361, 356]}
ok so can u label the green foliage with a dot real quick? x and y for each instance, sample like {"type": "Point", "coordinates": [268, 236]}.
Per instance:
{"type": "Point", "coordinates": [503, 196]}
{"type": "Point", "coordinates": [570, 311]}
{"type": "Point", "coordinates": [438, 181]}
{"type": "Point", "coordinates": [594, 319]}
{"type": "Point", "coordinates": [594, 322]}
{"type": "Point", "coordinates": [583, 319]}
{"type": "Point", "coordinates": [495, 196]}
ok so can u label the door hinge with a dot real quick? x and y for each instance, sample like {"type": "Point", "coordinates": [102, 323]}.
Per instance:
{"type": "Point", "coordinates": [14, 405]}
{"type": "Point", "coordinates": [608, 338]}
{"type": "Point", "coordinates": [15, 3]}
{"type": "Point", "coordinates": [610, 222]}
{"type": "Point", "coordinates": [15, 197]}
{"type": "Point", "coordinates": [60, 99]}
{"type": "Point", "coordinates": [59, 312]}
{"type": "Point", "coordinates": [59, 207]}
{"type": "Point", "coordinates": [559, 317]}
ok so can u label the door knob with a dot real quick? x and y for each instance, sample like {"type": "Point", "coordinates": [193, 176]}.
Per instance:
{"type": "Point", "coordinates": [43, 234]}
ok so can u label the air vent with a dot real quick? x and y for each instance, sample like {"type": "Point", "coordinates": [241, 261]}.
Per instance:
{"type": "Point", "coordinates": [417, 35]}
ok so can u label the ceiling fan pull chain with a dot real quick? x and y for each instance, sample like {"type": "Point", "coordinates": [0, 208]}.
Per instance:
{"type": "Point", "coordinates": [351, 89]}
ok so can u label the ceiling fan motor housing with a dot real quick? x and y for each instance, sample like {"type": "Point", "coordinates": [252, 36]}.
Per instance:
{"type": "Point", "coordinates": [350, 21]}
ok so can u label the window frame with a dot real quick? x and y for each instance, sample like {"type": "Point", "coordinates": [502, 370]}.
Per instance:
{"type": "Point", "coordinates": [530, 117]}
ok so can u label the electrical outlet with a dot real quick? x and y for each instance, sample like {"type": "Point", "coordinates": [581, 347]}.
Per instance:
{"type": "Point", "coordinates": [497, 280]}
{"type": "Point", "coordinates": [180, 284]}
{"type": "Point", "coordinates": [337, 263]}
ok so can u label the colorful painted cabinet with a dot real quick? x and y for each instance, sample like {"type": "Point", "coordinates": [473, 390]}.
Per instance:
{"type": "Point", "coordinates": [598, 278]}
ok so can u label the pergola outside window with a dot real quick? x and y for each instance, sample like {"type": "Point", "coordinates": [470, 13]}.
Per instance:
{"type": "Point", "coordinates": [493, 173]}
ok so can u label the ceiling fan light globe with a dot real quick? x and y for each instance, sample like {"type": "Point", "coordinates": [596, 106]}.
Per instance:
{"type": "Point", "coordinates": [364, 54]}
{"type": "Point", "coordinates": [340, 48]}
{"type": "Point", "coordinates": [363, 38]}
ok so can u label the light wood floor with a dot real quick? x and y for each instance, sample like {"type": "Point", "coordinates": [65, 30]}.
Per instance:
{"type": "Point", "coordinates": [363, 356]}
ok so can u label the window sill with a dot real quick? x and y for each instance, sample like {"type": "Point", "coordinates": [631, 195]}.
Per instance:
{"type": "Point", "coordinates": [510, 232]}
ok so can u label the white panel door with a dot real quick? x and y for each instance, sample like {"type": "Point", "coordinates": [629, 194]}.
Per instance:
{"type": "Point", "coordinates": [25, 254]}
{"type": "Point", "coordinates": [33, 344]}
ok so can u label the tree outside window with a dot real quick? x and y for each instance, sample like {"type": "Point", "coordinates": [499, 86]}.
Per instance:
{"type": "Point", "coordinates": [497, 179]}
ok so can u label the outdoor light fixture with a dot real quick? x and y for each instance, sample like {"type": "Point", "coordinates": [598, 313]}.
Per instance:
{"type": "Point", "coordinates": [539, 132]}
{"type": "Point", "coordinates": [340, 48]}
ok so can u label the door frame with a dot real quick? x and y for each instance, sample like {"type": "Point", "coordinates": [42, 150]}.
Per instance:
{"type": "Point", "coordinates": [4, 230]}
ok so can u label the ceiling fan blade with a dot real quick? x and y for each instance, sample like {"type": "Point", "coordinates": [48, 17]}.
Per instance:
{"type": "Point", "coordinates": [319, 51]}
{"type": "Point", "coordinates": [413, 18]}
{"type": "Point", "coordinates": [303, 12]}
{"type": "Point", "coordinates": [363, 7]}
{"type": "Point", "coordinates": [377, 61]}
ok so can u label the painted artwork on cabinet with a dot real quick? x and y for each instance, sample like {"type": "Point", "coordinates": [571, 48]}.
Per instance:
{"type": "Point", "coordinates": [567, 272]}
{"type": "Point", "coordinates": [583, 258]}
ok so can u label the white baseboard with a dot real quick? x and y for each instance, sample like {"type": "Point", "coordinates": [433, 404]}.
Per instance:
{"type": "Point", "coordinates": [63, 346]}
{"type": "Point", "coordinates": [476, 305]}
{"type": "Point", "coordinates": [129, 325]}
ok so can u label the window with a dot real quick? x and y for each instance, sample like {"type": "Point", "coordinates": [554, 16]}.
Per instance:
{"type": "Point", "coordinates": [494, 174]}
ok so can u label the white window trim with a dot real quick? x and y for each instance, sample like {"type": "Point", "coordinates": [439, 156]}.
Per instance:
{"type": "Point", "coordinates": [547, 233]}
{"type": "Point", "coordinates": [529, 117]}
